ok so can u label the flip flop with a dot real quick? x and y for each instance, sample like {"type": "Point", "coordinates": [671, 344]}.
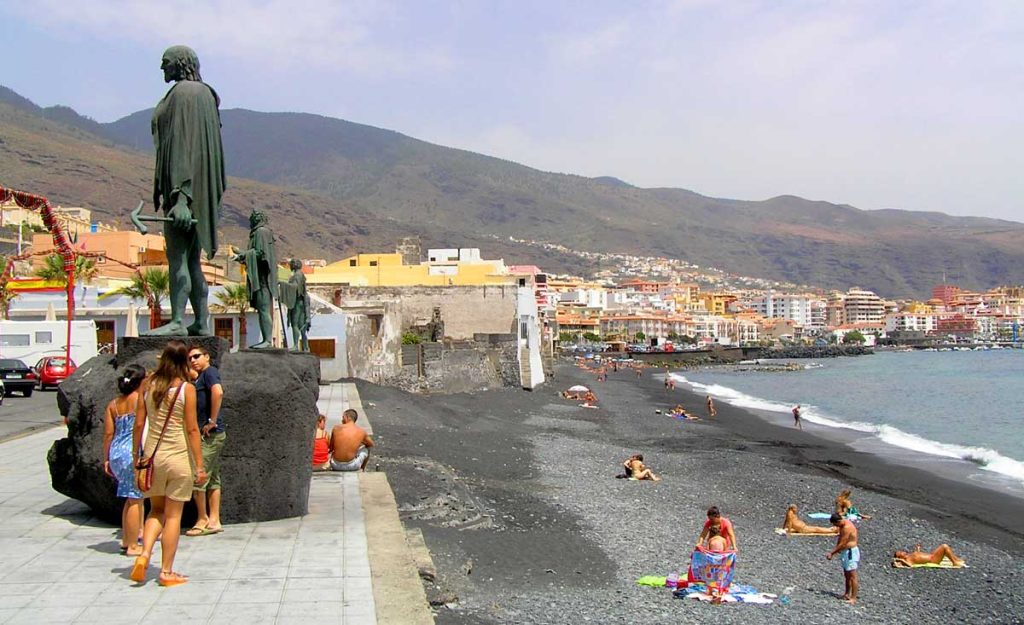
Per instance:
{"type": "Point", "coordinates": [211, 530]}
{"type": "Point", "coordinates": [138, 573]}
{"type": "Point", "coordinates": [200, 531]}
{"type": "Point", "coordinates": [173, 579]}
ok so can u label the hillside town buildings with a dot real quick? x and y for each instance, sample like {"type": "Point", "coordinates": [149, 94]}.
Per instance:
{"type": "Point", "coordinates": [395, 315]}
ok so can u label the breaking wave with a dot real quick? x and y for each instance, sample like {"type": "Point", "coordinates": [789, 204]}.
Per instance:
{"type": "Point", "coordinates": [988, 459]}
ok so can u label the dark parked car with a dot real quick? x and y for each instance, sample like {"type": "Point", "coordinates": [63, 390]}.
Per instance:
{"type": "Point", "coordinates": [17, 377]}
{"type": "Point", "coordinates": [52, 370]}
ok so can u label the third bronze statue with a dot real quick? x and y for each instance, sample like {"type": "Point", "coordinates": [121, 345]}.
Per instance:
{"type": "Point", "coordinates": [188, 185]}
{"type": "Point", "coordinates": [296, 299]}
{"type": "Point", "coordinates": [260, 261]}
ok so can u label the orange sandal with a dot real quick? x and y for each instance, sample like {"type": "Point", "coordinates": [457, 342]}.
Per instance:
{"type": "Point", "coordinates": [138, 573]}
{"type": "Point", "coordinates": [171, 579]}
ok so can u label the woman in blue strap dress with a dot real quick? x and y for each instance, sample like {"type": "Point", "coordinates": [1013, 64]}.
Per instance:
{"type": "Point", "coordinates": [119, 420]}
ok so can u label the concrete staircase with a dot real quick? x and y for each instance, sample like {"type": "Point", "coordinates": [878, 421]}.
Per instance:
{"type": "Point", "coordinates": [525, 372]}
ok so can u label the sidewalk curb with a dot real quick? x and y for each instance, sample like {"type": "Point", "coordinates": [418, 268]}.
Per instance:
{"type": "Point", "coordinates": [398, 592]}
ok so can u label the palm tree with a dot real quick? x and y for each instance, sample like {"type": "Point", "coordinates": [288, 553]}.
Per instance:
{"type": "Point", "coordinates": [6, 297]}
{"type": "Point", "coordinates": [152, 285]}
{"type": "Point", "coordinates": [6, 294]}
{"type": "Point", "coordinates": [53, 269]}
{"type": "Point", "coordinates": [236, 297]}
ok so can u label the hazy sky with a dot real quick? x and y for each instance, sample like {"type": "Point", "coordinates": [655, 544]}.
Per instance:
{"type": "Point", "coordinates": [888, 104]}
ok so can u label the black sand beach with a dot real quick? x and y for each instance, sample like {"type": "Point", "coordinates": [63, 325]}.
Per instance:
{"type": "Point", "coordinates": [516, 497]}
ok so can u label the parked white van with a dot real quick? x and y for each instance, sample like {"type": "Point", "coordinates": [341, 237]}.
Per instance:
{"type": "Point", "coordinates": [31, 340]}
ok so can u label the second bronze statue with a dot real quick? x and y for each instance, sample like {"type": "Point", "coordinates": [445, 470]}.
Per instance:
{"type": "Point", "coordinates": [260, 260]}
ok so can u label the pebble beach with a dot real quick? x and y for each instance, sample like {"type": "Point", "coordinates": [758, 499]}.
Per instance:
{"type": "Point", "coordinates": [515, 494]}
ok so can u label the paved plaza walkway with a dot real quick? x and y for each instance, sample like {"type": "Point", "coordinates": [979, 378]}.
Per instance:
{"type": "Point", "coordinates": [58, 564]}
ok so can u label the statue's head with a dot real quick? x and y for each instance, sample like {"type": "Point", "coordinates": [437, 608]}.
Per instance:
{"type": "Point", "coordinates": [295, 264]}
{"type": "Point", "coordinates": [257, 218]}
{"type": "Point", "coordinates": [180, 63]}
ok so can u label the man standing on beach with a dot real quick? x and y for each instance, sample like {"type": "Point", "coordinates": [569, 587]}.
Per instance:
{"type": "Point", "coordinates": [711, 407]}
{"type": "Point", "coordinates": [846, 546]}
{"type": "Point", "coordinates": [796, 417]}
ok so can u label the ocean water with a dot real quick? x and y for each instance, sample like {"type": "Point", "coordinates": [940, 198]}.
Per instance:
{"type": "Point", "coordinates": [966, 406]}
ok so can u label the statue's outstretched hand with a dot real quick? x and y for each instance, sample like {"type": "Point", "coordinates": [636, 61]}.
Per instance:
{"type": "Point", "coordinates": [181, 215]}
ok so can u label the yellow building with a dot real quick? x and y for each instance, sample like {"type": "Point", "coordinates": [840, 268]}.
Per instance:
{"type": "Point", "coordinates": [462, 267]}
{"type": "Point", "coordinates": [716, 303]}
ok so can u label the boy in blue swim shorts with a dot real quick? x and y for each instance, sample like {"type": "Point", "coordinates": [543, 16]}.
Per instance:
{"type": "Point", "coordinates": [849, 554]}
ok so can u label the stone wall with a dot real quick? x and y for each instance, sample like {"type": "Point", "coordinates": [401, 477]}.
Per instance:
{"type": "Point", "coordinates": [465, 310]}
{"type": "Point", "coordinates": [459, 367]}
{"type": "Point", "coordinates": [373, 357]}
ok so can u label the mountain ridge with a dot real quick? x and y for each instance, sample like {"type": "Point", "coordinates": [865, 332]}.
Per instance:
{"type": "Point", "coordinates": [414, 186]}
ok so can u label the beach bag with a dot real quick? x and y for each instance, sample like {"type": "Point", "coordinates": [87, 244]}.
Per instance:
{"type": "Point", "coordinates": [144, 467]}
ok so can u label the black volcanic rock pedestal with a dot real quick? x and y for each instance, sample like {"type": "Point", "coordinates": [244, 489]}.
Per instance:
{"type": "Point", "coordinates": [269, 412]}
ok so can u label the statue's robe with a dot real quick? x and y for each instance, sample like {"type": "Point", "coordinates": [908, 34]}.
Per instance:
{"type": "Point", "coordinates": [190, 157]}
{"type": "Point", "coordinates": [296, 299]}
{"type": "Point", "coordinates": [260, 263]}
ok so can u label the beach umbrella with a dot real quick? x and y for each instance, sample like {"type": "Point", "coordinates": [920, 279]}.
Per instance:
{"type": "Point", "coordinates": [579, 388]}
{"type": "Point", "coordinates": [131, 328]}
{"type": "Point", "coordinates": [51, 312]}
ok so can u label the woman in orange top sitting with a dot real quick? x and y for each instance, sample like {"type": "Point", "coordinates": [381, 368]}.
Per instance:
{"type": "Point", "coordinates": [321, 454]}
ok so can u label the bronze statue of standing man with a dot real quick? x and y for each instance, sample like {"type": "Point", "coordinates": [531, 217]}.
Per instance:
{"type": "Point", "coordinates": [295, 297]}
{"type": "Point", "coordinates": [260, 260]}
{"type": "Point", "coordinates": [188, 185]}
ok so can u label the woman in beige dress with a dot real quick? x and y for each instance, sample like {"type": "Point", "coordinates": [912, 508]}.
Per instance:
{"type": "Point", "coordinates": [167, 400]}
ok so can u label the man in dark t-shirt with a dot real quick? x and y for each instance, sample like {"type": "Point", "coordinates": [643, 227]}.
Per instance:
{"type": "Point", "coordinates": [209, 394]}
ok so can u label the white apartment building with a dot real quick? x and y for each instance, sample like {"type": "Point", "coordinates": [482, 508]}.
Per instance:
{"type": "Point", "coordinates": [818, 314]}
{"type": "Point", "coordinates": [798, 308]}
{"type": "Point", "coordinates": [860, 306]}
{"type": "Point", "coordinates": [581, 298]}
{"type": "Point", "coordinates": [910, 322]}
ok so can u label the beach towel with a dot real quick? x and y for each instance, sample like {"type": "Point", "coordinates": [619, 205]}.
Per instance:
{"type": "Point", "coordinates": [945, 564]}
{"type": "Point", "coordinates": [853, 516]}
{"type": "Point", "coordinates": [713, 567]}
{"type": "Point", "coordinates": [738, 593]}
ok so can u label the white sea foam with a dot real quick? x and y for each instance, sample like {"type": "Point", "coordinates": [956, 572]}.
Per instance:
{"type": "Point", "coordinates": [988, 459]}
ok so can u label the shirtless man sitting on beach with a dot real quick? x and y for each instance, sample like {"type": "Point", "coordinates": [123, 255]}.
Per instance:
{"type": "Point", "coordinates": [635, 468]}
{"type": "Point", "coordinates": [794, 525]}
{"type": "Point", "coordinates": [904, 558]}
{"type": "Point", "coordinates": [349, 444]}
{"type": "Point", "coordinates": [846, 545]}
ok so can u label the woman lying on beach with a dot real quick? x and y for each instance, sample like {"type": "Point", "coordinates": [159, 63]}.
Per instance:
{"type": "Point", "coordinates": [680, 413]}
{"type": "Point", "coordinates": [794, 525]}
{"type": "Point", "coordinates": [845, 507]}
{"type": "Point", "coordinates": [635, 469]}
{"type": "Point", "coordinates": [905, 558]}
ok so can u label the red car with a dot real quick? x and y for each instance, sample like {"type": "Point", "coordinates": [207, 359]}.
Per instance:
{"type": "Point", "coordinates": [52, 370]}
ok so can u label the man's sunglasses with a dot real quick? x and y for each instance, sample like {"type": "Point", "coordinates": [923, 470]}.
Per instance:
{"type": "Point", "coordinates": [195, 356]}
